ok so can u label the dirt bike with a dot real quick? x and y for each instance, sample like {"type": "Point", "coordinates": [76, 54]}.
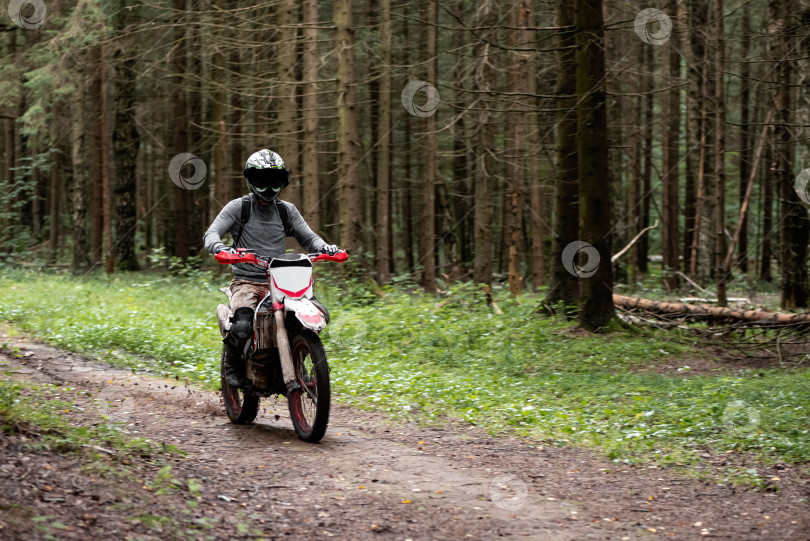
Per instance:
{"type": "Point", "coordinates": [285, 346]}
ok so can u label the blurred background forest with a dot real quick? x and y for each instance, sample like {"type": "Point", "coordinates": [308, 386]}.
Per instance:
{"type": "Point", "coordinates": [438, 140]}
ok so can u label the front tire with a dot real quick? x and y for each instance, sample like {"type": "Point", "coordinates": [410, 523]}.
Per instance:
{"type": "Point", "coordinates": [309, 407]}
{"type": "Point", "coordinates": [240, 405]}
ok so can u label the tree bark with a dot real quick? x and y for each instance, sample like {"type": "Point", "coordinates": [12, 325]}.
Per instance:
{"type": "Point", "coordinates": [767, 217]}
{"type": "Point", "coordinates": [288, 145]}
{"type": "Point", "coordinates": [310, 187]}
{"type": "Point", "coordinates": [126, 142]}
{"type": "Point", "coordinates": [693, 311]}
{"type": "Point", "coordinates": [351, 234]}
{"type": "Point", "coordinates": [484, 157]}
{"type": "Point", "coordinates": [720, 155]}
{"type": "Point", "coordinates": [671, 143]}
{"type": "Point", "coordinates": [216, 120]}
{"type": "Point", "coordinates": [520, 65]}
{"type": "Point", "coordinates": [643, 249]}
{"type": "Point", "coordinates": [795, 223]}
{"type": "Point", "coordinates": [79, 186]}
{"type": "Point", "coordinates": [537, 204]}
{"type": "Point", "coordinates": [106, 180]}
{"type": "Point", "coordinates": [427, 251]}
{"type": "Point", "coordinates": [383, 222]}
{"type": "Point", "coordinates": [182, 197]}
{"type": "Point", "coordinates": [745, 129]}
{"type": "Point", "coordinates": [594, 176]}
{"type": "Point", "coordinates": [564, 286]}
{"type": "Point", "coordinates": [695, 107]}
{"type": "Point", "coordinates": [96, 160]}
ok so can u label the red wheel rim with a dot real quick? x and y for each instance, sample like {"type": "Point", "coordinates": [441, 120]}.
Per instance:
{"type": "Point", "coordinates": [302, 401]}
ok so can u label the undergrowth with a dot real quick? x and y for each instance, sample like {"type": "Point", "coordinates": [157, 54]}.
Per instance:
{"type": "Point", "coordinates": [431, 358]}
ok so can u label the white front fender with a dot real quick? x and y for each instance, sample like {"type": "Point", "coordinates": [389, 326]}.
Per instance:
{"type": "Point", "coordinates": [306, 312]}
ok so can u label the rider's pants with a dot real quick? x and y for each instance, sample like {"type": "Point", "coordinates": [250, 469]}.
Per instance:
{"type": "Point", "coordinates": [246, 293]}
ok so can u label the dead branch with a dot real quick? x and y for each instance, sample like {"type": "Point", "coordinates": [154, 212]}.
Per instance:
{"type": "Point", "coordinates": [632, 242]}
{"type": "Point", "coordinates": [698, 312]}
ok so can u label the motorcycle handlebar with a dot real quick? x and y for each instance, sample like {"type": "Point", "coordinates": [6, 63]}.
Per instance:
{"type": "Point", "coordinates": [339, 257]}
{"type": "Point", "coordinates": [228, 258]}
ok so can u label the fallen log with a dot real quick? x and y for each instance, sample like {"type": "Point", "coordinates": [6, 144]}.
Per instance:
{"type": "Point", "coordinates": [699, 311]}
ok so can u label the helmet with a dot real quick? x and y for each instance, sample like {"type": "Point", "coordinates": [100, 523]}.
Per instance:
{"type": "Point", "coordinates": [265, 174]}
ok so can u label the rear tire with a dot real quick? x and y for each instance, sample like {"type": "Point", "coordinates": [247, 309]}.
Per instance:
{"type": "Point", "coordinates": [309, 407]}
{"type": "Point", "coordinates": [240, 405]}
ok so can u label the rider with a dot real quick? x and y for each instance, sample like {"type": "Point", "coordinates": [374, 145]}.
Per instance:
{"type": "Point", "coordinates": [264, 233]}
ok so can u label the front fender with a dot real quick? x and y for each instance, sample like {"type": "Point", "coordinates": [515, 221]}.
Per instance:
{"type": "Point", "coordinates": [306, 312]}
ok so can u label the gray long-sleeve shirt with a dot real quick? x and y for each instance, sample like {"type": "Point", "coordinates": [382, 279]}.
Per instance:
{"type": "Point", "coordinates": [263, 233]}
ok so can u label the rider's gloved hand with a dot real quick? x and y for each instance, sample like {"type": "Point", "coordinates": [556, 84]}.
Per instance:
{"type": "Point", "coordinates": [225, 249]}
{"type": "Point", "coordinates": [330, 249]}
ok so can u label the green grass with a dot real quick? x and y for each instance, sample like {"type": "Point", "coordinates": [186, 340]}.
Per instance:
{"type": "Point", "coordinates": [411, 354]}
{"type": "Point", "coordinates": [44, 415]}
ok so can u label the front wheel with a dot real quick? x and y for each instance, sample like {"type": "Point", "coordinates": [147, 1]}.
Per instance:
{"type": "Point", "coordinates": [309, 407]}
{"type": "Point", "coordinates": [241, 406]}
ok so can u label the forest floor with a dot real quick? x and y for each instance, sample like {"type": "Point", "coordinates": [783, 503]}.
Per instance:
{"type": "Point", "coordinates": [370, 478]}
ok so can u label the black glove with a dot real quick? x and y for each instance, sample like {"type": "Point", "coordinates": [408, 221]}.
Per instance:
{"type": "Point", "coordinates": [225, 249]}
{"type": "Point", "coordinates": [330, 249]}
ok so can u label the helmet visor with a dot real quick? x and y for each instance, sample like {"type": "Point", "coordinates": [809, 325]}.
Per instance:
{"type": "Point", "coordinates": [261, 179]}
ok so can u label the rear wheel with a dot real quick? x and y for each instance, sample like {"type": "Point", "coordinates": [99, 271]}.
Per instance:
{"type": "Point", "coordinates": [241, 406]}
{"type": "Point", "coordinates": [309, 407]}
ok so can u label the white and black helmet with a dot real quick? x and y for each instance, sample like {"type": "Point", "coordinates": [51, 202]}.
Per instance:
{"type": "Point", "coordinates": [266, 174]}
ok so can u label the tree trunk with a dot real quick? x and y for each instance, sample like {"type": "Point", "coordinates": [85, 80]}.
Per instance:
{"type": "Point", "coordinates": [672, 137]}
{"type": "Point", "coordinates": [351, 234]}
{"type": "Point", "coordinates": [428, 178]}
{"type": "Point", "coordinates": [96, 160]}
{"type": "Point", "coordinates": [520, 65]}
{"type": "Point", "coordinates": [795, 223]}
{"type": "Point", "coordinates": [695, 107]}
{"type": "Point", "coordinates": [125, 144]}
{"type": "Point", "coordinates": [106, 181]}
{"type": "Point", "coordinates": [287, 110]}
{"type": "Point", "coordinates": [596, 290]}
{"type": "Point", "coordinates": [10, 145]}
{"type": "Point", "coordinates": [745, 129]}
{"type": "Point", "coordinates": [484, 161]}
{"type": "Point", "coordinates": [220, 186]}
{"type": "Point", "coordinates": [310, 186]}
{"type": "Point", "coordinates": [407, 207]}
{"type": "Point", "coordinates": [720, 155]}
{"type": "Point", "coordinates": [79, 186]}
{"type": "Point", "coordinates": [693, 311]}
{"type": "Point", "coordinates": [383, 222]}
{"type": "Point", "coordinates": [564, 286]}
{"type": "Point", "coordinates": [182, 196]}
{"type": "Point", "coordinates": [536, 196]}
{"type": "Point", "coordinates": [55, 205]}
{"type": "Point", "coordinates": [767, 216]}
{"type": "Point", "coordinates": [646, 176]}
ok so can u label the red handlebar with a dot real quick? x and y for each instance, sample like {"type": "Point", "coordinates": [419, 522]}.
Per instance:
{"type": "Point", "coordinates": [339, 257]}
{"type": "Point", "coordinates": [228, 258]}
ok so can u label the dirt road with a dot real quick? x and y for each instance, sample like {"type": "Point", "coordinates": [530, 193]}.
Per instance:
{"type": "Point", "coordinates": [371, 478]}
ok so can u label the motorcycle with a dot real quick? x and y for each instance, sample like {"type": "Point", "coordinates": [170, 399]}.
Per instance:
{"type": "Point", "coordinates": [285, 348]}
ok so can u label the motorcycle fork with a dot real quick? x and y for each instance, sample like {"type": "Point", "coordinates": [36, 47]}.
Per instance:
{"type": "Point", "coordinates": [283, 344]}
